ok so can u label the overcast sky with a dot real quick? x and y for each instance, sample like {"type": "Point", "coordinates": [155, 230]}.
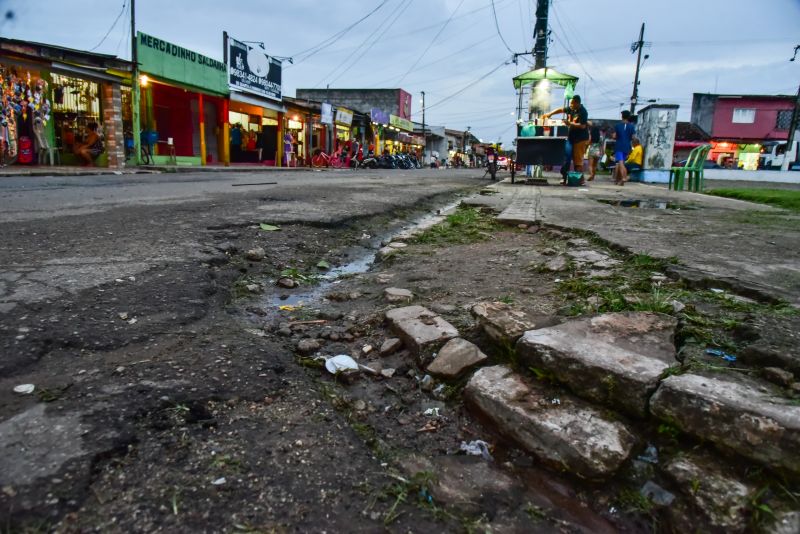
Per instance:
{"type": "Point", "coordinates": [448, 48]}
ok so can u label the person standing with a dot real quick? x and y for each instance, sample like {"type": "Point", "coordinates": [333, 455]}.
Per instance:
{"type": "Point", "coordinates": [577, 119]}
{"type": "Point", "coordinates": [236, 142]}
{"type": "Point", "coordinates": [595, 148]}
{"type": "Point", "coordinates": [623, 133]}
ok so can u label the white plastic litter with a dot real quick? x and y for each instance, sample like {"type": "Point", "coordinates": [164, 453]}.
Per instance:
{"type": "Point", "coordinates": [476, 448]}
{"type": "Point", "coordinates": [434, 412]}
{"type": "Point", "coordinates": [341, 364]}
{"type": "Point", "coordinates": [24, 389]}
{"type": "Point", "coordinates": [220, 481]}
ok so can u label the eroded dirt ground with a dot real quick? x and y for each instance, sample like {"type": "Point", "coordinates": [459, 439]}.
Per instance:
{"type": "Point", "coordinates": [191, 396]}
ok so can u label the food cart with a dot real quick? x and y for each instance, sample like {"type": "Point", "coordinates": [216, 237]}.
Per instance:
{"type": "Point", "coordinates": [541, 142]}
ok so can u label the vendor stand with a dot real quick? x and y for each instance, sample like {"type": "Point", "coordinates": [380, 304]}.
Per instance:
{"type": "Point", "coordinates": [541, 142]}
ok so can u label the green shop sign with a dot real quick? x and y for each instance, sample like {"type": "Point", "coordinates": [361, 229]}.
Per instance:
{"type": "Point", "coordinates": [175, 63]}
{"type": "Point", "coordinates": [399, 122]}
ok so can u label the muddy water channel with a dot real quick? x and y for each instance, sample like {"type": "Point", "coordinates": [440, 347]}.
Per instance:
{"type": "Point", "coordinates": [462, 464]}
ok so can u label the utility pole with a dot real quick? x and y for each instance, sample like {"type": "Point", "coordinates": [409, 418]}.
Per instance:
{"type": "Point", "coordinates": [540, 34]}
{"type": "Point", "coordinates": [135, 92]}
{"type": "Point", "coordinates": [792, 129]}
{"type": "Point", "coordinates": [638, 45]}
{"type": "Point", "coordinates": [424, 136]}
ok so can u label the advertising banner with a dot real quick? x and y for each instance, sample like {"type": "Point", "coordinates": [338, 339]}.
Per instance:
{"type": "Point", "coordinates": [344, 116]}
{"type": "Point", "coordinates": [250, 69]}
{"type": "Point", "coordinates": [326, 113]}
{"type": "Point", "coordinates": [379, 116]}
{"type": "Point", "coordinates": [399, 122]}
{"type": "Point", "coordinates": [175, 63]}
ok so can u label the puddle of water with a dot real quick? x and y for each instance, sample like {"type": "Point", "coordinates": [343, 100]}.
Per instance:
{"type": "Point", "coordinates": [358, 266]}
{"type": "Point", "coordinates": [644, 203]}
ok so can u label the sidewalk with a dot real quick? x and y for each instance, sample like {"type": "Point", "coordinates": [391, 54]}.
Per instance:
{"type": "Point", "coordinates": [753, 247]}
{"type": "Point", "coordinates": [23, 170]}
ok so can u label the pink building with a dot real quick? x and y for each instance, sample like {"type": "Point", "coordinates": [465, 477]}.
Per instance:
{"type": "Point", "coordinates": [739, 124]}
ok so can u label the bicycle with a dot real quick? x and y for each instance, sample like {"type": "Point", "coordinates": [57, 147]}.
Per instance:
{"type": "Point", "coordinates": [321, 159]}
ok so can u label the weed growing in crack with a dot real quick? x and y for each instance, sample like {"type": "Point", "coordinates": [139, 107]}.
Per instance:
{"type": "Point", "coordinates": [418, 486]}
{"type": "Point", "coordinates": [466, 225]}
{"type": "Point", "coordinates": [300, 276]}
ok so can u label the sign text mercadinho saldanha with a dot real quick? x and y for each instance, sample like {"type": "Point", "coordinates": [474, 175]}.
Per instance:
{"type": "Point", "coordinates": [179, 52]}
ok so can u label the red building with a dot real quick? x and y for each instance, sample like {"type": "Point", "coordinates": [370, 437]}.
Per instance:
{"type": "Point", "coordinates": [738, 124]}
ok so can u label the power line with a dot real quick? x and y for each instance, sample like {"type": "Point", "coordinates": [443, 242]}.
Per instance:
{"type": "Point", "coordinates": [448, 56]}
{"type": "Point", "coordinates": [522, 24]}
{"type": "Point", "coordinates": [352, 60]}
{"type": "Point", "coordinates": [125, 37]}
{"type": "Point", "coordinates": [497, 25]}
{"type": "Point", "coordinates": [308, 52]}
{"type": "Point", "coordinates": [468, 86]}
{"type": "Point", "coordinates": [121, 11]}
{"type": "Point", "coordinates": [430, 44]}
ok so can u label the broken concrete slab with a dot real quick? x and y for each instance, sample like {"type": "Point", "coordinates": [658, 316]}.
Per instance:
{"type": "Point", "coordinates": [502, 322]}
{"type": "Point", "coordinates": [592, 257]}
{"type": "Point", "coordinates": [421, 330]}
{"type": "Point", "coordinates": [615, 358]}
{"type": "Point", "coordinates": [737, 413]}
{"type": "Point", "coordinates": [37, 443]}
{"type": "Point", "coordinates": [457, 356]}
{"type": "Point", "coordinates": [779, 376]}
{"type": "Point", "coordinates": [397, 295]}
{"type": "Point", "coordinates": [385, 253]}
{"type": "Point", "coordinates": [715, 492]}
{"type": "Point", "coordinates": [568, 434]}
{"type": "Point", "coordinates": [464, 482]}
{"type": "Point", "coordinates": [762, 354]}
{"type": "Point", "coordinates": [554, 265]}
{"type": "Point", "coordinates": [390, 346]}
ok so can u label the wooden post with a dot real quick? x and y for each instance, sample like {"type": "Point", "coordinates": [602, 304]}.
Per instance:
{"type": "Point", "coordinates": [201, 112]}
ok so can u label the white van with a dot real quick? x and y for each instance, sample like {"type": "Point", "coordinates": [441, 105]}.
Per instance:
{"type": "Point", "coordinates": [774, 152]}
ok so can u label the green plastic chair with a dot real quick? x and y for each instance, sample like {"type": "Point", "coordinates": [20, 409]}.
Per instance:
{"type": "Point", "coordinates": [691, 171]}
{"type": "Point", "coordinates": [696, 179]}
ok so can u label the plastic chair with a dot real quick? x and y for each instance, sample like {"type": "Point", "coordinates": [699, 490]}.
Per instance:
{"type": "Point", "coordinates": [694, 165]}
{"type": "Point", "coordinates": [696, 178]}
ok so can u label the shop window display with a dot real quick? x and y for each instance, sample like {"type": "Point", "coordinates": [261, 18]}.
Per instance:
{"type": "Point", "coordinates": [24, 111]}
{"type": "Point", "coordinates": [76, 105]}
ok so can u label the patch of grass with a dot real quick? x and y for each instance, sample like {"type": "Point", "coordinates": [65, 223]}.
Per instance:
{"type": "Point", "coordinates": [227, 463]}
{"type": "Point", "coordinates": [300, 276]}
{"type": "Point", "coordinates": [760, 512]}
{"type": "Point", "coordinates": [536, 513]}
{"type": "Point", "coordinates": [766, 219]}
{"type": "Point", "coordinates": [543, 375]}
{"type": "Point", "coordinates": [631, 500]}
{"type": "Point", "coordinates": [466, 225]}
{"type": "Point", "coordinates": [783, 198]}
{"type": "Point", "coordinates": [669, 431]}
{"type": "Point", "coordinates": [729, 302]}
{"type": "Point", "coordinates": [417, 486]}
{"type": "Point", "coordinates": [649, 263]}
{"type": "Point", "coordinates": [310, 363]}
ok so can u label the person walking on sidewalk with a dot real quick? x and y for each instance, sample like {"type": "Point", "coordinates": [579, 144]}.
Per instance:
{"type": "Point", "coordinates": [577, 119]}
{"type": "Point", "coordinates": [623, 133]}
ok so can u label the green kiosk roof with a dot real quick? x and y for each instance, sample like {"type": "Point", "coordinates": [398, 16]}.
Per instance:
{"type": "Point", "coordinates": [532, 76]}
